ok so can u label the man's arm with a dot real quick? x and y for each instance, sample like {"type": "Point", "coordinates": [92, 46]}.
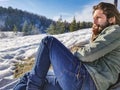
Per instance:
{"type": "Point", "coordinates": [108, 40]}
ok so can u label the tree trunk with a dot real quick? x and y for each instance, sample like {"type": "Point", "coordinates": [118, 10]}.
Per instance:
{"type": "Point", "coordinates": [115, 2]}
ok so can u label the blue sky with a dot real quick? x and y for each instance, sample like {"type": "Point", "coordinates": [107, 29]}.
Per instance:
{"type": "Point", "coordinates": [53, 9]}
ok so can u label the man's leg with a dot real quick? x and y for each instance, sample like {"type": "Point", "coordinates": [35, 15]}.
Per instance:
{"type": "Point", "coordinates": [51, 84]}
{"type": "Point", "coordinates": [68, 70]}
{"type": "Point", "coordinates": [22, 83]}
{"type": "Point", "coordinates": [37, 76]}
{"type": "Point", "coordinates": [65, 65]}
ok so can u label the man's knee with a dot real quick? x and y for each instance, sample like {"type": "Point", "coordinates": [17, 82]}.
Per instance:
{"type": "Point", "coordinates": [48, 39]}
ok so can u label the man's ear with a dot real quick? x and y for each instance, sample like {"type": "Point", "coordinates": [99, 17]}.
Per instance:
{"type": "Point", "coordinates": [112, 20]}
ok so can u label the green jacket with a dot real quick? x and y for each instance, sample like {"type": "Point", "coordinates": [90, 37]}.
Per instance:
{"type": "Point", "coordinates": [102, 57]}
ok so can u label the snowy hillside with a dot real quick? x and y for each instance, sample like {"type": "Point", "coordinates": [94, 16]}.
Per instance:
{"type": "Point", "coordinates": [16, 48]}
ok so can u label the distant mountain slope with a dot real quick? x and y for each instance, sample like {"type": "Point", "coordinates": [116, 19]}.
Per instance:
{"type": "Point", "coordinates": [17, 20]}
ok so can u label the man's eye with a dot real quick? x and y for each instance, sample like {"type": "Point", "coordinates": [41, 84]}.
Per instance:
{"type": "Point", "coordinates": [98, 17]}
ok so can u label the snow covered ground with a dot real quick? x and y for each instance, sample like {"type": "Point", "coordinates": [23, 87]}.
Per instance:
{"type": "Point", "coordinates": [16, 48]}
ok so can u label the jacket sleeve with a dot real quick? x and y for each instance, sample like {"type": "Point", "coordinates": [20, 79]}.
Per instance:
{"type": "Point", "coordinates": [108, 40]}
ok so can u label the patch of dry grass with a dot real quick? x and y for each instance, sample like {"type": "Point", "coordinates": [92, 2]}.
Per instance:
{"type": "Point", "coordinates": [21, 68]}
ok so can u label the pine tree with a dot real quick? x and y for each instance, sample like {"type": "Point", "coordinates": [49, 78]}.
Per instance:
{"type": "Point", "coordinates": [25, 28]}
{"type": "Point", "coordinates": [34, 30]}
{"type": "Point", "coordinates": [82, 25]}
{"type": "Point", "coordinates": [78, 25]}
{"type": "Point", "coordinates": [73, 26]}
{"type": "Point", "coordinates": [60, 27]}
{"type": "Point", "coordinates": [15, 30]}
{"type": "Point", "coordinates": [51, 29]}
{"type": "Point", "coordinates": [56, 28]}
{"type": "Point", "coordinates": [66, 26]}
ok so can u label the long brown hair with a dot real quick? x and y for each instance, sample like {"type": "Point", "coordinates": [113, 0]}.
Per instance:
{"type": "Point", "coordinates": [109, 10]}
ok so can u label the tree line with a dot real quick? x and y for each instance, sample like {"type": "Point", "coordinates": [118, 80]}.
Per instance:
{"type": "Point", "coordinates": [62, 27]}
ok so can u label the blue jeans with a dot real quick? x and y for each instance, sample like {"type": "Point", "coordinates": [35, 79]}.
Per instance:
{"type": "Point", "coordinates": [51, 84]}
{"type": "Point", "coordinates": [70, 72]}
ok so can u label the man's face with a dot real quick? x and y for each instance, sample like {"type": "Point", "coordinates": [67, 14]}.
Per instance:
{"type": "Point", "coordinates": [100, 19]}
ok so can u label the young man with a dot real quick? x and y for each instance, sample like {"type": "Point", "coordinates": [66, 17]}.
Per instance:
{"type": "Point", "coordinates": [93, 67]}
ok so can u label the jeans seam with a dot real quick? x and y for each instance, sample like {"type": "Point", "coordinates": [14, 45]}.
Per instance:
{"type": "Point", "coordinates": [78, 73]}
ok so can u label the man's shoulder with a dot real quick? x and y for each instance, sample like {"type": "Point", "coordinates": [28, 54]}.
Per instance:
{"type": "Point", "coordinates": [112, 28]}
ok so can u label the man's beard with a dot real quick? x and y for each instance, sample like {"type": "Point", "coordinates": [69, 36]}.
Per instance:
{"type": "Point", "coordinates": [98, 28]}
{"type": "Point", "coordinates": [102, 27]}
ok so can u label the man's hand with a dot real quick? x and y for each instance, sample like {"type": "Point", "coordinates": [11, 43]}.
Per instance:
{"type": "Point", "coordinates": [95, 29]}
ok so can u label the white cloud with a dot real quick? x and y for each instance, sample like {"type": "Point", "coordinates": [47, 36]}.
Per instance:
{"type": "Point", "coordinates": [81, 15]}
{"type": "Point", "coordinates": [65, 16]}
{"type": "Point", "coordinates": [85, 14]}
{"type": "Point", "coordinates": [56, 18]}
